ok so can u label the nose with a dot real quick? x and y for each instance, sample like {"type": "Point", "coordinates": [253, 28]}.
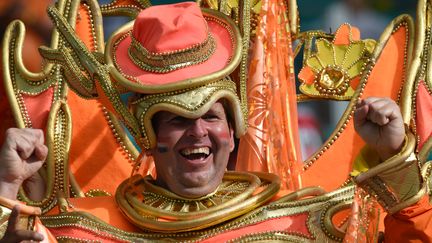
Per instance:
{"type": "Point", "coordinates": [197, 129]}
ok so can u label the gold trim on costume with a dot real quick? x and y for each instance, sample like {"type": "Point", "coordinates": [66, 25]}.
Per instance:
{"type": "Point", "coordinates": [58, 140]}
{"type": "Point", "coordinates": [116, 8]}
{"type": "Point", "coordinates": [153, 208]}
{"type": "Point", "coordinates": [167, 62]}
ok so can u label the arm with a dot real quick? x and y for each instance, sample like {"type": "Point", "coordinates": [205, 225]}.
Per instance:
{"type": "Point", "coordinates": [396, 178]}
{"type": "Point", "coordinates": [21, 156]}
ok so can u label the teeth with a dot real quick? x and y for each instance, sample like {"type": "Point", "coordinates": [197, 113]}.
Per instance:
{"type": "Point", "coordinates": [189, 151]}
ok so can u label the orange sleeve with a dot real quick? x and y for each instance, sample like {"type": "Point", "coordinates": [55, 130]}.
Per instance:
{"type": "Point", "coordinates": [412, 224]}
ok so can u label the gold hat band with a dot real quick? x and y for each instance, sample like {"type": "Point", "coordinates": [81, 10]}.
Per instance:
{"type": "Point", "coordinates": [170, 61]}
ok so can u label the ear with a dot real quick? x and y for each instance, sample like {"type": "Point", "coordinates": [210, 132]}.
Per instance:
{"type": "Point", "coordinates": [232, 144]}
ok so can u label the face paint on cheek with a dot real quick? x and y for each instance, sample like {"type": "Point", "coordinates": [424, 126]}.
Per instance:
{"type": "Point", "coordinates": [225, 143]}
{"type": "Point", "coordinates": [223, 133]}
{"type": "Point", "coordinates": [162, 148]}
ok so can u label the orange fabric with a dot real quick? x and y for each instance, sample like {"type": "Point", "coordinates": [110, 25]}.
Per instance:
{"type": "Point", "coordinates": [294, 224]}
{"type": "Point", "coordinates": [307, 75]}
{"type": "Point", "coordinates": [95, 157]}
{"type": "Point", "coordinates": [104, 208]}
{"type": "Point", "coordinates": [271, 143]}
{"type": "Point", "coordinates": [332, 168]}
{"type": "Point", "coordinates": [30, 54]}
{"type": "Point", "coordinates": [423, 114]}
{"type": "Point", "coordinates": [412, 224]}
{"type": "Point", "coordinates": [346, 30]}
{"type": "Point", "coordinates": [160, 35]}
{"type": "Point", "coordinates": [38, 107]}
{"type": "Point", "coordinates": [355, 82]}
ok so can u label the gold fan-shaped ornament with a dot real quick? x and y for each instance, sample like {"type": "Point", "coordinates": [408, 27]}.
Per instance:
{"type": "Point", "coordinates": [334, 69]}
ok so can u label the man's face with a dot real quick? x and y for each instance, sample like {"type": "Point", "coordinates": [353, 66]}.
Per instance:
{"type": "Point", "coordinates": [192, 154]}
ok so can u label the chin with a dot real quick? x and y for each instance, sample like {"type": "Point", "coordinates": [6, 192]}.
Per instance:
{"type": "Point", "coordinates": [197, 190]}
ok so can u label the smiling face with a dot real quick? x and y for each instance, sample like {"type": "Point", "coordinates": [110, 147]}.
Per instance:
{"type": "Point", "coordinates": [192, 154]}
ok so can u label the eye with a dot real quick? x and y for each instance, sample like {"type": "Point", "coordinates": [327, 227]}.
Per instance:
{"type": "Point", "coordinates": [177, 119]}
{"type": "Point", "coordinates": [211, 117]}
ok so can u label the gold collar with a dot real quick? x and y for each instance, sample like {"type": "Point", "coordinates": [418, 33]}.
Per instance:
{"type": "Point", "coordinates": [153, 208]}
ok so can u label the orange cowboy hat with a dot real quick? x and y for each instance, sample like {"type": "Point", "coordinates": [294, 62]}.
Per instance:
{"type": "Point", "coordinates": [174, 47]}
{"type": "Point", "coordinates": [179, 58]}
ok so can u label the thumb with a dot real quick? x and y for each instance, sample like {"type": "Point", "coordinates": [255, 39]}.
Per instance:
{"type": "Point", "coordinates": [360, 114]}
{"type": "Point", "coordinates": [41, 152]}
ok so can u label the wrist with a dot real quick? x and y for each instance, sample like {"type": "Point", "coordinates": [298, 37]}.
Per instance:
{"type": "Point", "coordinates": [386, 153]}
{"type": "Point", "coordinates": [398, 181]}
{"type": "Point", "coordinates": [9, 189]}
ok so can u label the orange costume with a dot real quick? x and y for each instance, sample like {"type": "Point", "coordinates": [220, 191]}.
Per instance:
{"type": "Point", "coordinates": [336, 192]}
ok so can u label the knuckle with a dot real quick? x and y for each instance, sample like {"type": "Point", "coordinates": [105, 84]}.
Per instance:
{"type": "Point", "coordinates": [39, 132]}
{"type": "Point", "coordinates": [11, 131]}
{"type": "Point", "coordinates": [373, 110]}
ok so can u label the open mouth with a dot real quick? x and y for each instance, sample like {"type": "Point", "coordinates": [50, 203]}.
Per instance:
{"type": "Point", "coordinates": [200, 153]}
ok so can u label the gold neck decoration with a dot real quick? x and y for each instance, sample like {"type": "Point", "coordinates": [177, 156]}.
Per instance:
{"type": "Point", "coordinates": [170, 61]}
{"type": "Point", "coordinates": [153, 208]}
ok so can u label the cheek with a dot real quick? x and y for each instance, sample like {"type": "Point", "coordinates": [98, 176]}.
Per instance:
{"type": "Point", "coordinates": [166, 139]}
{"type": "Point", "coordinates": [222, 133]}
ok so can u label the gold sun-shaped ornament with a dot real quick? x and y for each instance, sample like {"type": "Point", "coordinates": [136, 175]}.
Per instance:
{"type": "Point", "coordinates": [334, 70]}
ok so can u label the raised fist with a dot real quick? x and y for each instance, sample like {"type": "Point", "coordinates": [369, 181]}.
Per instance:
{"type": "Point", "coordinates": [379, 122]}
{"type": "Point", "coordinates": [21, 156]}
